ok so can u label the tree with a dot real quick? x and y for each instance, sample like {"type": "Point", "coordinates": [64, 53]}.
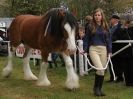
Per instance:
{"type": "Point", "coordinates": [80, 8]}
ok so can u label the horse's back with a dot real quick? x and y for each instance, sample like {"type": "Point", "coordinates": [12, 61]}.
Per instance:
{"type": "Point", "coordinates": [24, 27]}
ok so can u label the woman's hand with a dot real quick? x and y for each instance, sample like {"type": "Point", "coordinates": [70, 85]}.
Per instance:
{"type": "Point", "coordinates": [82, 52]}
{"type": "Point", "coordinates": [110, 54]}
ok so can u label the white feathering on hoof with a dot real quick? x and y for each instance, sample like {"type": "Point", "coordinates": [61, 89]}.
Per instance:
{"type": "Point", "coordinates": [72, 82]}
{"type": "Point", "coordinates": [43, 83]}
{"type": "Point", "coordinates": [30, 77]}
{"type": "Point", "coordinates": [6, 72]}
{"type": "Point", "coordinates": [43, 79]}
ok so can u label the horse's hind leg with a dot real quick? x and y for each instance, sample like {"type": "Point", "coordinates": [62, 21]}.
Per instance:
{"type": "Point", "coordinates": [43, 80]}
{"type": "Point", "coordinates": [72, 81]}
{"type": "Point", "coordinates": [9, 67]}
{"type": "Point", "coordinates": [28, 75]}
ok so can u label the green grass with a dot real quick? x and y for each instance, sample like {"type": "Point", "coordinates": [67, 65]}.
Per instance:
{"type": "Point", "coordinates": [16, 87]}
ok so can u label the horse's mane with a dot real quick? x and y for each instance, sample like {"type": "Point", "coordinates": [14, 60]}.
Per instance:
{"type": "Point", "coordinates": [56, 18]}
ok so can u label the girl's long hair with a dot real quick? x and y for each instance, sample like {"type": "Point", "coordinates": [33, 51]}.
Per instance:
{"type": "Point", "coordinates": [104, 23]}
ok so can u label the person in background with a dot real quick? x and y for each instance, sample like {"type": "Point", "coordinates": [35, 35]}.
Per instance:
{"type": "Point", "coordinates": [54, 57]}
{"type": "Point", "coordinates": [83, 47]}
{"type": "Point", "coordinates": [128, 65]}
{"type": "Point", "coordinates": [53, 60]}
{"type": "Point", "coordinates": [100, 46]}
{"type": "Point", "coordinates": [116, 32]}
{"type": "Point", "coordinates": [88, 20]}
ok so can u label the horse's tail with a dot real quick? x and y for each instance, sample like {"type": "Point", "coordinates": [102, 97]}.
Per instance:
{"type": "Point", "coordinates": [14, 33]}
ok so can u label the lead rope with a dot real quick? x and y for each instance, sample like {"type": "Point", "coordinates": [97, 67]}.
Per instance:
{"type": "Point", "coordinates": [47, 27]}
{"type": "Point", "coordinates": [93, 67]}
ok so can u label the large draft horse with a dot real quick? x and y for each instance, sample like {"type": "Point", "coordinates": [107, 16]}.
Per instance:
{"type": "Point", "coordinates": [53, 32]}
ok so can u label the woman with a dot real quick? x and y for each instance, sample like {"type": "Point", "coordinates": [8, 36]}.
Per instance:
{"type": "Point", "coordinates": [100, 46]}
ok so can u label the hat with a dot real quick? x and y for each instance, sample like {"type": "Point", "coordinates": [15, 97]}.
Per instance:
{"type": "Point", "coordinates": [115, 17]}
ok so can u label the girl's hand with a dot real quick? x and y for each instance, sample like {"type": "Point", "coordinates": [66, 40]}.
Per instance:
{"type": "Point", "coordinates": [82, 52]}
{"type": "Point", "coordinates": [110, 54]}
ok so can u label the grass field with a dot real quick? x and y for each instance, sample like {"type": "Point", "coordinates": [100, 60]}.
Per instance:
{"type": "Point", "coordinates": [16, 87]}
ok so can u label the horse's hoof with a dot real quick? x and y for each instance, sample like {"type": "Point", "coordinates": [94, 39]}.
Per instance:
{"type": "Point", "coordinates": [6, 76]}
{"type": "Point", "coordinates": [72, 86]}
{"type": "Point", "coordinates": [73, 90]}
{"type": "Point", "coordinates": [30, 78]}
{"type": "Point", "coordinates": [43, 83]}
{"type": "Point", "coordinates": [6, 73]}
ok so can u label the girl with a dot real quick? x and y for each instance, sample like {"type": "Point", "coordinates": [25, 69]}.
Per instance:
{"type": "Point", "coordinates": [100, 46]}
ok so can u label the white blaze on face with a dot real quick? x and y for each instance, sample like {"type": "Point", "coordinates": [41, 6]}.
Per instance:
{"type": "Point", "coordinates": [71, 37]}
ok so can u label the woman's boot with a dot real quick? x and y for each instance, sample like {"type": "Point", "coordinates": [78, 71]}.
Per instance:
{"type": "Point", "coordinates": [98, 85]}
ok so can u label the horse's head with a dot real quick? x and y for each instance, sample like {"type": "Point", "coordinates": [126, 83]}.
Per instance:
{"type": "Point", "coordinates": [70, 26]}
{"type": "Point", "coordinates": [63, 27]}
{"type": "Point", "coordinates": [71, 32]}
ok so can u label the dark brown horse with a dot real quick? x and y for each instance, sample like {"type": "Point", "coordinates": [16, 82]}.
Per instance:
{"type": "Point", "coordinates": [53, 32]}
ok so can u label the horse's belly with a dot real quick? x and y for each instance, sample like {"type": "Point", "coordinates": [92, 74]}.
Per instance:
{"type": "Point", "coordinates": [33, 44]}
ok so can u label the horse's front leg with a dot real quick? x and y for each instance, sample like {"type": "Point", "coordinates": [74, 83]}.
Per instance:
{"type": "Point", "coordinates": [72, 81]}
{"type": "Point", "coordinates": [28, 75]}
{"type": "Point", "coordinates": [43, 79]}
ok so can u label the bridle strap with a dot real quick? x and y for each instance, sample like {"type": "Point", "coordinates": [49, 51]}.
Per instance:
{"type": "Point", "coordinates": [47, 27]}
